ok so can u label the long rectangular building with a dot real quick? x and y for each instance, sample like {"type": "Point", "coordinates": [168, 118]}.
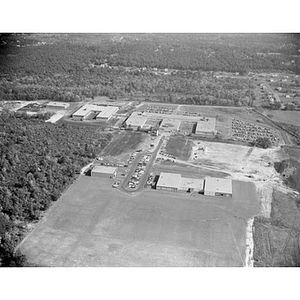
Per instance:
{"type": "Point", "coordinates": [57, 105]}
{"type": "Point", "coordinates": [98, 111]}
{"type": "Point", "coordinates": [104, 171]}
{"type": "Point", "coordinates": [174, 182]}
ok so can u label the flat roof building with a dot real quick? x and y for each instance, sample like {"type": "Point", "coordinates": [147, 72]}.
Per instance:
{"type": "Point", "coordinates": [104, 171]}
{"type": "Point", "coordinates": [101, 112]}
{"type": "Point", "coordinates": [191, 185]}
{"type": "Point", "coordinates": [168, 181]}
{"type": "Point", "coordinates": [136, 120]}
{"type": "Point", "coordinates": [218, 187]}
{"type": "Point", "coordinates": [107, 112]}
{"type": "Point", "coordinates": [57, 105]}
{"type": "Point", "coordinates": [174, 182]}
{"type": "Point", "coordinates": [206, 126]}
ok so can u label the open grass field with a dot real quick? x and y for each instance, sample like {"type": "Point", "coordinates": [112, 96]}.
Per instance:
{"type": "Point", "coordinates": [290, 117]}
{"type": "Point", "coordinates": [94, 225]}
{"type": "Point", "coordinates": [123, 142]}
{"type": "Point", "coordinates": [179, 146]}
{"type": "Point", "coordinates": [229, 112]}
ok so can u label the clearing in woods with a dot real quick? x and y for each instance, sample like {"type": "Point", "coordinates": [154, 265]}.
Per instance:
{"type": "Point", "coordinates": [94, 225]}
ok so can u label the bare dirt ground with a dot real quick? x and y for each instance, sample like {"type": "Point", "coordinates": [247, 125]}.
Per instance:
{"type": "Point", "coordinates": [93, 225]}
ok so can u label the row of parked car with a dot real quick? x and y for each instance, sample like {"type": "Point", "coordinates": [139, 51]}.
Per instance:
{"type": "Point", "coordinates": [139, 171]}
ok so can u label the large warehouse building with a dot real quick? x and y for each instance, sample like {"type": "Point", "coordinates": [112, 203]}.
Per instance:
{"type": "Point", "coordinates": [168, 182]}
{"type": "Point", "coordinates": [218, 187]}
{"type": "Point", "coordinates": [90, 111]}
{"type": "Point", "coordinates": [104, 172]}
{"type": "Point", "coordinates": [206, 126]}
{"type": "Point", "coordinates": [136, 120]}
{"type": "Point", "coordinates": [174, 182]}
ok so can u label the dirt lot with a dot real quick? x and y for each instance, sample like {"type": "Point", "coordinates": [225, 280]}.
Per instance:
{"type": "Point", "coordinates": [236, 160]}
{"type": "Point", "coordinates": [98, 226]}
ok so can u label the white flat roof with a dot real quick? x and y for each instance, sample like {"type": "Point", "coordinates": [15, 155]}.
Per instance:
{"type": "Point", "coordinates": [107, 111]}
{"type": "Point", "coordinates": [104, 169]}
{"type": "Point", "coordinates": [219, 185]}
{"type": "Point", "coordinates": [136, 120]}
{"type": "Point", "coordinates": [104, 111]}
{"type": "Point", "coordinates": [206, 125]}
{"type": "Point", "coordinates": [64, 104]}
{"type": "Point", "coordinates": [194, 183]}
{"type": "Point", "coordinates": [170, 180]}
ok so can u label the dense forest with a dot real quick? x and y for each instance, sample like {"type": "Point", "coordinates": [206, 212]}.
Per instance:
{"type": "Point", "coordinates": [70, 67]}
{"type": "Point", "coordinates": [38, 161]}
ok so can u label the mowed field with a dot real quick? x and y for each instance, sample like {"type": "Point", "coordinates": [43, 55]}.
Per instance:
{"type": "Point", "coordinates": [241, 113]}
{"type": "Point", "coordinates": [95, 225]}
{"type": "Point", "coordinates": [123, 142]}
{"type": "Point", "coordinates": [179, 146]}
{"type": "Point", "coordinates": [290, 117]}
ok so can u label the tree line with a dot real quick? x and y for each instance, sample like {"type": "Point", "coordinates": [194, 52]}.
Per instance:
{"type": "Point", "coordinates": [38, 161]}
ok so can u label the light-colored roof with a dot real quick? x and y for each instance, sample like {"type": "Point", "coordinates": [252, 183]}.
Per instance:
{"type": "Point", "coordinates": [170, 180]}
{"type": "Point", "coordinates": [193, 183]}
{"type": "Point", "coordinates": [107, 111]}
{"type": "Point", "coordinates": [219, 185]}
{"type": "Point", "coordinates": [104, 169]}
{"type": "Point", "coordinates": [104, 111]}
{"type": "Point", "coordinates": [206, 125]}
{"type": "Point", "coordinates": [136, 120]}
{"type": "Point", "coordinates": [64, 104]}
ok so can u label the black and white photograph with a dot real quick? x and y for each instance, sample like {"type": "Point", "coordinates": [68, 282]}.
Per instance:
{"type": "Point", "coordinates": [149, 148]}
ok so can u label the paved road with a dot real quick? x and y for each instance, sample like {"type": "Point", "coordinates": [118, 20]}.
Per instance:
{"type": "Point", "coordinates": [123, 187]}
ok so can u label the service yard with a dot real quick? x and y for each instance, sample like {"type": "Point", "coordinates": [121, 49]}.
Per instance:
{"type": "Point", "coordinates": [94, 225]}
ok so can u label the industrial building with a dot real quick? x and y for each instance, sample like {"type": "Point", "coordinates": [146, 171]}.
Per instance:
{"type": "Point", "coordinates": [191, 185]}
{"type": "Point", "coordinates": [57, 105]}
{"type": "Point", "coordinates": [218, 187]}
{"type": "Point", "coordinates": [136, 121]}
{"type": "Point", "coordinates": [168, 181]}
{"type": "Point", "coordinates": [206, 126]}
{"type": "Point", "coordinates": [174, 182]}
{"type": "Point", "coordinates": [90, 111]}
{"type": "Point", "coordinates": [104, 172]}
{"type": "Point", "coordinates": [107, 112]}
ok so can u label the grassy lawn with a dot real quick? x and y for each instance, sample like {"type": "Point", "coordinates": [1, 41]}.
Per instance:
{"type": "Point", "coordinates": [290, 117]}
{"type": "Point", "coordinates": [95, 225]}
{"type": "Point", "coordinates": [179, 146]}
{"type": "Point", "coordinates": [123, 142]}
